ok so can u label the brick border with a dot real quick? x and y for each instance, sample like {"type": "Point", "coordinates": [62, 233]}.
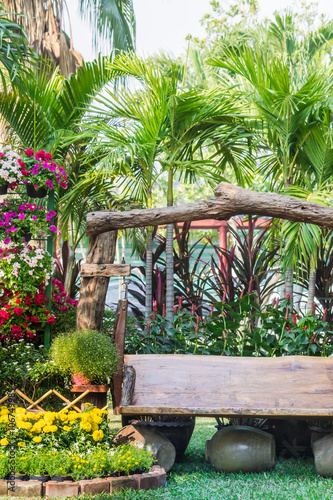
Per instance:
{"type": "Point", "coordinates": [156, 478]}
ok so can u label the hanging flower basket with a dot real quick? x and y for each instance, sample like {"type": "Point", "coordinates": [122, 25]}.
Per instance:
{"type": "Point", "coordinates": [36, 193]}
{"type": "Point", "coordinates": [4, 188]}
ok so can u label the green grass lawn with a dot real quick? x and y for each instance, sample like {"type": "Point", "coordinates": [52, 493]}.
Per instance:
{"type": "Point", "coordinates": [194, 478]}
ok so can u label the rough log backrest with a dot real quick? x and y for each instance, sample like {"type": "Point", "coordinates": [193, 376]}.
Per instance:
{"type": "Point", "coordinates": [299, 386]}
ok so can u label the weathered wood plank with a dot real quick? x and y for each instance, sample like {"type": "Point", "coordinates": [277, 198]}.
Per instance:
{"type": "Point", "coordinates": [229, 201]}
{"type": "Point", "coordinates": [227, 412]}
{"type": "Point", "coordinates": [105, 270]}
{"type": "Point", "coordinates": [223, 385]}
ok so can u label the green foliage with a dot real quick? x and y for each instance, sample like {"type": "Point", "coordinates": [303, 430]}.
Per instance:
{"type": "Point", "coordinates": [236, 328]}
{"type": "Point", "coordinates": [21, 366]}
{"type": "Point", "coordinates": [85, 352]}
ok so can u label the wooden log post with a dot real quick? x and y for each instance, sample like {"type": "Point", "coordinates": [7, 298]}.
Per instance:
{"type": "Point", "coordinates": [228, 201]}
{"type": "Point", "coordinates": [93, 289]}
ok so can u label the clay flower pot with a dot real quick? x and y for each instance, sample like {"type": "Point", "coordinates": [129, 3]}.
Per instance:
{"type": "Point", "coordinates": [79, 379]}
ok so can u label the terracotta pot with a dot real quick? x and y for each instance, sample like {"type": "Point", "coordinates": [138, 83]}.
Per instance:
{"type": "Point", "coordinates": [36, 193]}
{"type": "Point", "coordinates": [79, 379]}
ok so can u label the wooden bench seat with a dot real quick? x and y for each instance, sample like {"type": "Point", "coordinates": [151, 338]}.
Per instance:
{"type": "Point", "coordinates": [173, 384]}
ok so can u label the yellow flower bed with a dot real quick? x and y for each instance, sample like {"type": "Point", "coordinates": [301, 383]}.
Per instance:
{"type": "Point", "coordinates": [65, 426]}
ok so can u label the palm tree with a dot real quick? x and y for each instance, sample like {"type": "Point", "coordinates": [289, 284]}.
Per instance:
{"type": "Point", "coordinates": [113, 23]}
{"type": "Point", "coordinates": [137, 135]}
{"type": "Point", "coordinates": [286, 101]}
{"type": "Point", "coordinates": [14, 50]}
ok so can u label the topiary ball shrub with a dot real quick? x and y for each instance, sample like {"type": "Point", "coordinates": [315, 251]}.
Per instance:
{"type": "Point", "coordinates": [89, 353]}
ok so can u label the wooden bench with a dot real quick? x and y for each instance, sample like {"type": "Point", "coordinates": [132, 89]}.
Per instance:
{"type": "Point", "coordinates": [212, 386]}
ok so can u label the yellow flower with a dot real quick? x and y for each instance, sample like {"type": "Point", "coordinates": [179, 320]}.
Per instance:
{"type": "Point", "coordinates": [4, 411]}
{"type": "Point", "coordinates": [53, 428]}
{"type": "Point", "coordinates": [20, 411]}
{"type": "Point", "coordinates": [97, 435]}
{"type": "Point", "coordinates": [97, 420]}
{"type": "Point", "coordinates": [67, 428]}
{"type": "Point", "coordinates": [37, 439]}
{"type": "Point", "coordinates": [21, 443]}
{"type": "Point", "coordinates": [4, 442]}
{"type": "Point", "coordinates": [86, 426]}
{"type": "Point", "coordinates": [47, 428]}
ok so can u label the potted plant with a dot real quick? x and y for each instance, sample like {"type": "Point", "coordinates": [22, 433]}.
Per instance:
{"type": "Point", "coordinates": [20, 222]}
{"type": "Point", "coordinates": [90, 354]}
{"type": "Point", "coordinates": [41, 173]}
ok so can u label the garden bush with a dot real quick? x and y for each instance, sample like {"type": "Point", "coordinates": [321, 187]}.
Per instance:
{"type": "Point", "coordinates": [235, 328]}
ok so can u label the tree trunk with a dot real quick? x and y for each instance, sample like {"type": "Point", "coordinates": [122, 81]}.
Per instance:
{"type": "Point", "coordinates": [149, 273]}
{"type": "Point", "coordinates": [42, 22]}
{"type": "Point", "coordinates": [90, 310]}
{"type": "Point", "coordinates": [311, 289]}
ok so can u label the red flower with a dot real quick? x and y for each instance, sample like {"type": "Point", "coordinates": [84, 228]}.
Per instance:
{"type": "Point", "coordinates": [18, 311]}
{"type": "Point", "coordinates": [16, 329]}
{"type": "Point", "coordinates": [51, 319]}
{"type": "Point", "coordinates": [29, 152]}
{"type": "Point", "coordinates": [34, 319]}
{"type": "Point", "coordinates": [39, 298]}
{"type": "Point", "coordinates": [27, 301]}
{"type": "Point", "coordinates": [294, 319]}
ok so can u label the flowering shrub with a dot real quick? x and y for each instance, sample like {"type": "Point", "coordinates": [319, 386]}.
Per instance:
{"type": "Point", "coordinates": [39, 169]}
{"type": "Point", "coordinates": [57, 429]}
{"type": "Point", "coordinates": [25, 268]}
{"type": "Point", "coordinates": [62, 302]}
{"type": "Point", "coordinates": [16, 219]}
{"type": "Point", "coordinates": [10, 168]}
{"type": "Point", "coordinates": [22, 315]}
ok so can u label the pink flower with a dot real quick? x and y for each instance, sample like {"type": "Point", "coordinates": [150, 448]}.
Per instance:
{"type": "Point", "coordinates": [7, 240]}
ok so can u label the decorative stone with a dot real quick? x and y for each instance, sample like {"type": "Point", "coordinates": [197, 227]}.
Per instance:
{"type": "Point", "coordinates": [3, 487]}
{"type": "Point", "coordinates": [94, 486]}
{"type": "Point", "coordinates": [125, 482]}
{"type": "Point", "coordinates": [323, 455]}
{"type": "Point", "coordinates": [26, 489]}
{"type": "Point", "coordinates": [240, 448]}
{"type": "Point", "coordinates": [163, 450]}
{"type": "Point", "coordinates": [53, 489]}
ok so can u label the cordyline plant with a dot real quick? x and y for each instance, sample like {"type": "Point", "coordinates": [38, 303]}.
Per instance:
{"type": "Point", "coordinates": [246, 267]}
{"type": "Point", "coordinates": [190, 274]}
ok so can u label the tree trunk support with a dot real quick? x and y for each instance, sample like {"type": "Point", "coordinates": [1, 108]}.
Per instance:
{"type": "Point", "coordinates": [93, 290]}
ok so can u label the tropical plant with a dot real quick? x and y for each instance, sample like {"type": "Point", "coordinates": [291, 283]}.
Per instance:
{"type": "Point", "coordinates": [247, 266]}
{"type": "Point", "coordinates": [14, 50]}
{"type": "Point", "coordinates": [289, 104]}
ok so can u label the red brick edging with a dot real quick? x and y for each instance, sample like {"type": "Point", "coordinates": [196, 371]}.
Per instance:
{"type": "Point", "coordinates": [156, 478]}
